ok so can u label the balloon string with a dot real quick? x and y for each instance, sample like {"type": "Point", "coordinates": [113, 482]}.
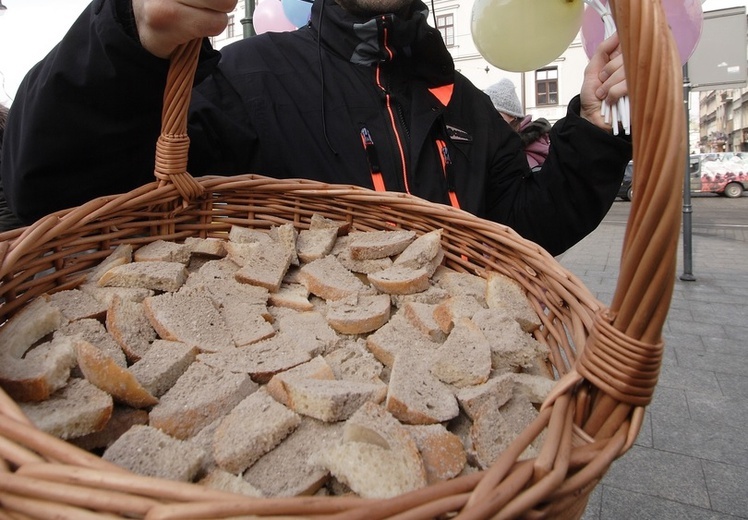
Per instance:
{"type": "Point", "coordinates": [618, 115]}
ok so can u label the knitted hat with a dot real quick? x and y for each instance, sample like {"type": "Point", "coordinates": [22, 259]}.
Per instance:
{"type": "Point", "coordinates": [504, 98]}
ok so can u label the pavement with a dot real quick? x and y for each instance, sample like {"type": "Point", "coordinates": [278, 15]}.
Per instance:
{"type": "Point", "coordinates": [690, 460]}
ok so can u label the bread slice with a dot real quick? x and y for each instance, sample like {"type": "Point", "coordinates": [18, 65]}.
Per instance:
{"type": "Point", "coordinates": [398, 336]}
{"type": "Point", "coordinates": [534, 387]}
{"type": "Point", "coordinates": [318, 221]}
{"type": "Point", "coordinates": [150, 452]}
{"type": "Point", "coordinates": [240, 252]}
{"type": "Point", "coordinates": [462, 285]}
{"type": "Point", "coordinates": [96, 334]}
{"type": "Point", "coordinates": [415, 396]}
{"type": "Point", "coordinates": [266, 266]}
{"type": "Point", "coordinates": [319, 337]}
{"type": "Point", "coordinates": [191, 320]}
{"type": "Point", "coordinates": [77, 409]}
{"type": "Point", "coordinates": [158, 276]}
{"type": "Point", "coordinates": [285, 471]}
{"type": "Point", "coordinates": [245, 235]}
{"type": "Point", "coordinates": [77, 305]}
{"type": "Point", "coordinates": [164, 363]}
{"type": "Point", "coordinates": [130, 327]}
{"type": "Point", "coordinates": [494, 428]}
{"type": "Point", "coordinates": [358, 314]}
{"type": "Point", "coordinates": [101, 371]}
{"type": "Point", "coordinates": [123, 418]}
{"type": "Point", "coordinates": [367, 266]}
{"type": "Point", "coordinates": [313, 244]}
{"type": "Point", "coordinates": [442, 451]}
{"type": "Point", "coordinates": [106, 294]}
{"type": "Point", "coordinates": [377, 459]}
{"type": "Point", "coordinates": [422, 251]}
{"type": "Point", "coordinates": [254, 427]}
{"type": "Point", "coordinates": [44, 370]}
{"type": "Point", "coordinates": [200, 396]}
{"type": "Point", "coordinates": [224, 481]}
{"type": "Point", "coordinates": [246, 321]}
{"type": "Point", "coordinates": [29, 325]}
{"type": "Point", "coordinates": [262, 360]}
{"type": "Point", "coordinates": [465, 357]}
{"type": "Point", "coordinates": [400, 279]}
{"type": "Point", "coordinates": [448, 312]}
{"type": "Point", "coordinates": [292, 296]}
{"type": "Point", "coordinates": [353, 361]}
{"type": "Point", "coordinates": [287, 235]}
{"type": "Point", "coordinates": [329, 400]}
{"type": "Point", "coordinates": [431, 296]}
{"type": "Point", "coordinates": [380, 244]}
{"type": "Point", "coordinates": [316, 368]}
{"type": "Point", "coordinates": [163, 251]}
{"type": "Point", "coordinates": [496, 391]}
{"type": "Point", "coordinates": [421, 316]}
{"type": "Point", "coordinates": [122, 254]}
{"type": "Point", "coordinates": [210, 247]}
{"type": "Point", "coordinates": [505, 293]}
{"type": "Point", "coordinates": [512, 348]}
{"type": "Point", "coordinates": [328, 279]}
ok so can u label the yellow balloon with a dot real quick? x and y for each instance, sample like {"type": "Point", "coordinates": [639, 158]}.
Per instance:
{"type": "Point", "coordinates": [523, 35]}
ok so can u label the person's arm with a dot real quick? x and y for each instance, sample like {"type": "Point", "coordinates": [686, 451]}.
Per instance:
{"type": "Point", "coordinates": [570, 195]}
{"type": "Point", "coordinates": [86, 118]}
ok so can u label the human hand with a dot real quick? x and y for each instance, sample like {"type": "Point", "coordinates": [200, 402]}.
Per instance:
{"type": "Point", "coordinates": [604, 82]}
{"type": "Point", "coordinates": [163, 25]}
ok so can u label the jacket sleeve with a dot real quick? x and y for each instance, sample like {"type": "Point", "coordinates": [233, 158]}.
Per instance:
{"type": "Point", "coordinates": [567, 199]}
{"type": "Point", "coordinates": [70, 138]}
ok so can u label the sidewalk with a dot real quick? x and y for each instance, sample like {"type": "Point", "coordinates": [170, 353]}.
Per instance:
{"type": "Point", "coordinates": [690, 460]}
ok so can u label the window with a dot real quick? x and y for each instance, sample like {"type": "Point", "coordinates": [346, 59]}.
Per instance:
{"type": "Point", "coordinates": [446, 25]}
{"type": "Point", "coordinates": [546, 86]}
{"type": "Point", "coordinates": [230, 27]}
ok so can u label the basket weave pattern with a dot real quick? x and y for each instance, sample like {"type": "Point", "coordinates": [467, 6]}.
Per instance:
{"type": "Point", "coordinates": [607, 358]}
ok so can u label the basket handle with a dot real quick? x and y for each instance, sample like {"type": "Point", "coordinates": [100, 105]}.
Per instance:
{"type": "Point", "coordinates": [623, 353]}
{"type": "Point", "coordinates": [173, 144]}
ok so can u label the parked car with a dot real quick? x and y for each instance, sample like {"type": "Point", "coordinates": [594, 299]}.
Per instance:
{"type": "Point", "coordinates": [626, 192]}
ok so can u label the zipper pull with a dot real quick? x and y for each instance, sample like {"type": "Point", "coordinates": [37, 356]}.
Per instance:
{"type": "Point", "coordinates": [371, 155]}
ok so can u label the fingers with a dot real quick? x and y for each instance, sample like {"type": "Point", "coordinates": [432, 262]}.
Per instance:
{"type": "Point", "coordinates": [612, 75]}
{"type": "Point", "coordinates": [165, 24]}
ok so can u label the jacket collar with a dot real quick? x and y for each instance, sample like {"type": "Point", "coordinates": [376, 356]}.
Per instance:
{"type": "Point", "coordinates": [409, 42]}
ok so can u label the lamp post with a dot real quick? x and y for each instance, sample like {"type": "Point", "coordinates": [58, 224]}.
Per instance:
{"type": "Point", "coordinates": [247, 25]}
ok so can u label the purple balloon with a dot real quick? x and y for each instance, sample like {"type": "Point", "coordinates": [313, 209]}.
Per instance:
{"type": "Point", "coordinates": [685, 18]}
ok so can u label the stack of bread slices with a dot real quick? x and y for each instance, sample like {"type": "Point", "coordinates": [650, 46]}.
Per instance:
{"type": "Point", "coordinates": [283, 362]}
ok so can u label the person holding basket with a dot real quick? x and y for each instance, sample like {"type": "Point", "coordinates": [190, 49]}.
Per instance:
{"type": "Point", "coordinates": [365, 94]}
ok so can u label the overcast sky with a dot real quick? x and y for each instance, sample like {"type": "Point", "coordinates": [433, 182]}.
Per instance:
{"type": "Point", "coordinates": [30, 28]}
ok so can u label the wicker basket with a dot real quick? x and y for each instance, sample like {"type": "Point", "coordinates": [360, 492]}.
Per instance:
{"type": "Point", "coordinates": [607, 359]}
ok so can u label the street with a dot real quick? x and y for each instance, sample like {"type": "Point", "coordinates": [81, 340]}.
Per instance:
{"type": "Point", "coordinates": [712, 215]}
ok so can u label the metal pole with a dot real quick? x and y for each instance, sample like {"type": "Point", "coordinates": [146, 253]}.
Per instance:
{"type": "Point", "coordinates": [247, 25]}
{"type": "Point", "coordinates": [687, 275]}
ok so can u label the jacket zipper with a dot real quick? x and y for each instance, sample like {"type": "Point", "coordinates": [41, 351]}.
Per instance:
{"type": "Point", "coordinates": [390, 110]}
{"type": "Point", "coordinates": [371, 155]}
{"type": "Point", "coordinates": [448, 170]}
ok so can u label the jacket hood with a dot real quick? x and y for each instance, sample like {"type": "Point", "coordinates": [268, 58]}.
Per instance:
{"type": "Point", "coordinates": [409, 42]}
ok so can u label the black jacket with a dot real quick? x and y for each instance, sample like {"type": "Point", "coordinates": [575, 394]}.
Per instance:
{"type": "Point", "coordinates": [350, 101]}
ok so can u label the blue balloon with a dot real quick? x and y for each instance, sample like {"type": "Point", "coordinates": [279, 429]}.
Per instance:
{"type": "Point", "coordinates": [297, 11]}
